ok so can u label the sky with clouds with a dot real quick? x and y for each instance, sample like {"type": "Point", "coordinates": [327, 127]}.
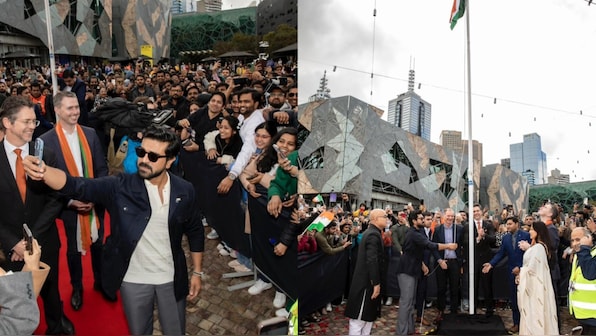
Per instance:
{"type": "Point", "coordinates": [537, 58]}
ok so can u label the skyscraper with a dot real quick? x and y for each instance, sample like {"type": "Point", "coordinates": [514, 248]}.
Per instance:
{"type": "Point", "coordinates": [208, 6]}
{"type": "Point", "coordinates": [410, 112]}
{"type": "Point", "coordinates": [177, 7]}
{"type": "Point", "coordinates": [528, 159]}
{"type": "Point", "coordinates": [453, 140]}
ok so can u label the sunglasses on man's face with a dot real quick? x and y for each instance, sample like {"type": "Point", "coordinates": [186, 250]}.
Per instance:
{"type": "Point", "coordinates": [153, 157]}
{"type": "Point", "coordinates": [292, 94]}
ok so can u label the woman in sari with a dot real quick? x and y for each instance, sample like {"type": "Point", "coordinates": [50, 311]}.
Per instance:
{"type": "Point", "coordinates": [535, 294]}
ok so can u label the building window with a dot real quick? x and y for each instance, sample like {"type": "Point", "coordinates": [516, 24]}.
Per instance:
{"type": "Point", "coordinates": [29, 9]}
{"type": "Point", "coordinates": [97, 9]}
{"type": "Point", "coordinates": [399, 156]}
{"type": "Point", "coordinates": [71, 21]}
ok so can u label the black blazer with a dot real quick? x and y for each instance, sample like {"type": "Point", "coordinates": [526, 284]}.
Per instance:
{"type": "Point", "coordinates": [483, 249]}
{"type": "Point", "coordinates": [100, 167]}
{"type": "Point", "coordinates": [39, 212]}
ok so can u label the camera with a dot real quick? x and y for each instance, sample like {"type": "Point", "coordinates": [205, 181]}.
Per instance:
{"type": "Point", "coordinates": [242, 81]}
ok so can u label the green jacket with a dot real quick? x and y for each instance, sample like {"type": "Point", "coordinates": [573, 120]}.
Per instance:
{"type": "Point", "coordinates": [284, 184]}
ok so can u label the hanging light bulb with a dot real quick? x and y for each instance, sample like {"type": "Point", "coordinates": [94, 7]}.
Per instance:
{"type": "Point", "coordinates": [419, 86]}
{"type": "Point", "coordinates": [334, 68]}
{"type": "Point", "coordinates": [482, 115]}
{"type": "Point", "coordinates": [495, 101]}
{"type": "Point", "coordinates": [534, 118]}
{"type": "Point", "coordinates": [510, 134]}
{"type": "Point", "coordinates": [581, 112]}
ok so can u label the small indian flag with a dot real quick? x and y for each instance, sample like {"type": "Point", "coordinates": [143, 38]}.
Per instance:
{"type": "Point", "coordinates": [457, 11]}
{"type": "Point", "coordinates": [318, 199]}
{"type": "Point", "coordinates": [321, 222]}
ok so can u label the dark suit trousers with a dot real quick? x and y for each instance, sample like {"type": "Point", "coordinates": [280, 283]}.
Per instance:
{"type": "Point", "coordinates": [73, 256]}
{"type": "Point", "coordinates": [486, 282]}
{"type": "Point", "coordinates": [451, 277]}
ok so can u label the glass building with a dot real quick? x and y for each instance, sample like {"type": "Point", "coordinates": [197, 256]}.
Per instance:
{"type": "Point", "coordinates": [528, 159]}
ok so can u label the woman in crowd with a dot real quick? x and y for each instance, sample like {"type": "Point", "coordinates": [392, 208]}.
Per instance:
{"type": "Point", "coordinates": [535, 292]}
{"type": "Point", "coordinates": [274, 238]}
{"type": "Point", "coordinates": [224, 144]}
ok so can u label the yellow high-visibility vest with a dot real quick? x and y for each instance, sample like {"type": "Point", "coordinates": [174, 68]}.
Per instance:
{"type": "Point", "coordinates": [582, 292]}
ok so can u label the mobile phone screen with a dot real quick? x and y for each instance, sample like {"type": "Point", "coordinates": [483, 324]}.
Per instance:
{"type": "Point", "coordinates": [28, 237]}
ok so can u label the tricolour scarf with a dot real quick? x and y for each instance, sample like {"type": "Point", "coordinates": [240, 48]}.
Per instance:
{"type": "Point", "coordinates": [88, 223]}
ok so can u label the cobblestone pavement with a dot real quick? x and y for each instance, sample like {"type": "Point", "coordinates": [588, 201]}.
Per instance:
{"type": "Point", "coordinates": [218, 311]}
{"type": "Point", "coordinates": [335, 323]}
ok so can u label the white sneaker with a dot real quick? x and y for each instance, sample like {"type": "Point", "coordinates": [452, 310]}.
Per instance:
{"type": "Point", "coordinates": [389, 301]}
{"type": "Point", "coordinates": [282, 312]}
{"type": "Point", "coordinates": [329, 308]}
{"type": "Point", "coordinates": [234, 263]}
{"type": "Point", "coordinates": [212, 235]}
{"type": "Point", "coordinates": [279, 300]}
{"type": "Point", "coordinates": [241, 268]}
{"type": "Point", "coordinates": [233, 254]}
{"type": "Point", "coordinates": [219, 246]}
{"type": "Point", "coordinates": [224, 252]}
{"type": "Point", "coordinates": [258, 287]}
{"type": "Point", "coordinates": [205, 222]}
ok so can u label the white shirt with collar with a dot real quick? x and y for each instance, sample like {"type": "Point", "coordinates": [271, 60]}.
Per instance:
{"type": "Point", "coordinates": [12, 156]}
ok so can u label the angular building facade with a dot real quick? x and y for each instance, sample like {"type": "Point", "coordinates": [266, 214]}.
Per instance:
{"type": "Point", "coordinates": [89, 28]}
{"type": "Point", "coordinates": [347, 147]}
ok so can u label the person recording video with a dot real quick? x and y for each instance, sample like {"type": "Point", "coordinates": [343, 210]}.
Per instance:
{"type": "Point", "coordinates": [19, 313]}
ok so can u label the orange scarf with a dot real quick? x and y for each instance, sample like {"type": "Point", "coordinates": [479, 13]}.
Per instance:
{"type": "Point", "coordinates": [85, 219]}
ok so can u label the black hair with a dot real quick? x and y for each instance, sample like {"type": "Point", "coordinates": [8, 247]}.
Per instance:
{"type": "Point", "coordinates": [267, 126]}
{"type": "Point", "coordinates": [542, 236]}
{"type": "Point", "coordinates": [269, 158]}
{"type": "Point", "coordinates": [68, 73]}
{"type": "Point", "coordinates": [255, 95]}
{"type": "Point", "coordinates": [414, 216]}
{"type": "Point", "coordinates": [221, 94]}
{"type": "Point", "coordinates": [162, 134]}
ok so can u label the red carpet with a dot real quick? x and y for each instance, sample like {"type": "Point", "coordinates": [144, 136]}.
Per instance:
{"type": "Point", "coordinates": [97, 316]}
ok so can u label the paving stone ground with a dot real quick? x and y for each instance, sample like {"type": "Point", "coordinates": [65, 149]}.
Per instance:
{"type": "Point", "coordinates": [335, 323]}
{"type": "Point", "coordinates": [218, 311]}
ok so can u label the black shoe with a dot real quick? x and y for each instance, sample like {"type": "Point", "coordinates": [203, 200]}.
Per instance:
{"type": "Point", "coordinates": [67, 326]}
{"type": "Point", "coordinates": [76, 300]}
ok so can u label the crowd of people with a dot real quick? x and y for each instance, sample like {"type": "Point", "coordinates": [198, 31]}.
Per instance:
{"type": "Point", "coordinates": [226, 157]}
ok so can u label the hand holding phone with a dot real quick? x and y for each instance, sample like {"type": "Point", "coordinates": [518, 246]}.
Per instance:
{"type": "Point", "coordinates": [39, 149]}
{"type": "Point", "coordinates": [28, 237]}
{"type": "Point", "coordinates": [279, 151]}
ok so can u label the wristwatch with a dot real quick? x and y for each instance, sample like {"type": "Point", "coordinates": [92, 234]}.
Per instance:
{"type": "Point", "coordinates": [231, 176]}
{"type": "Point", "coordinates": [200, 274]}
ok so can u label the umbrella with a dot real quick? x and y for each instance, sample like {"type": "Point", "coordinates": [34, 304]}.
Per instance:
{"type": "Point", "coordinates": [209, 59]}
{"type": "Point", "coordinates": [19, 54]}
{"type": "Point", "coordinates": [292, 48]}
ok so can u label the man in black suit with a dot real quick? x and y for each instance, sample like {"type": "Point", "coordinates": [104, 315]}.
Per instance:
{"type": "Point", "coordinates": [484, 240]}
{"type": "Point", "coordinates": [364, 302]}
{"type": "Point", "coordinates": [31, 202]}
{"type": "Point", "coordinates": [450, 263]}
{"type": "Point", "coordinates": [72, 143]}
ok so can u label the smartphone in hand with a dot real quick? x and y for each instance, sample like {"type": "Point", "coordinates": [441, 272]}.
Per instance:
{"type": "Point", "coordinates": [279, 151]}
{"type": "Point", "coordinates": [39, 149]}
{"type": "Point", "coordinates": [28, 237]}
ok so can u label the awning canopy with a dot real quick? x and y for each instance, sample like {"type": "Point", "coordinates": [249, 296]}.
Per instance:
{"type": "Point", "coordinates": [292, 48]}
{"type": "Point", "coordinates": [236, 54]}
{"type": "Point", "coordinates": [19, 54]}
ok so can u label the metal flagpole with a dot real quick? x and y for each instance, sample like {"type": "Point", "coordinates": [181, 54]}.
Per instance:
{"type": "Point", "coordinates": [51, 48]}
{"type": "Point", "coordinates": [471, 239]}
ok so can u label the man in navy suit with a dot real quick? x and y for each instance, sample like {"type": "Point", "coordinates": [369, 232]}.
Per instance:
{"type": "Point", "coordinates": [510, 249]}
{"type": "Point", "coordinates": [71, 158]}
{"type": "Point", "coordinates": [150, 211]}
{"type": "Point", "coordinates": [450, 263]}
{"type": "Point", "coordinates": [23, 200]}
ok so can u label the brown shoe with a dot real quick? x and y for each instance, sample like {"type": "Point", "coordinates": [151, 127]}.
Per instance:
{"type": "Point", "coordinates": [513, 330]}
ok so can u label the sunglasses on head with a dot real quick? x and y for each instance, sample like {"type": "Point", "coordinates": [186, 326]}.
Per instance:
{"type": "Point", "coordinates": [153, 157]}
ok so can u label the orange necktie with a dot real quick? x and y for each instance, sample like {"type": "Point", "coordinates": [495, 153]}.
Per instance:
{"type": "Point", "coordinates": [20, 174]}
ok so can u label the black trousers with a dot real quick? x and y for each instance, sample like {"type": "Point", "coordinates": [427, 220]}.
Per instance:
{"type": "Point", "coordinates": [73, 256]}
{"type": "Point", "coordinates": [484, 281]}
{"type": "Point", "coordinates": [450, 277]}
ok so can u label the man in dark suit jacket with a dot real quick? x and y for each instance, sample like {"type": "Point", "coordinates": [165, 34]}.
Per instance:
{"type": "Point", "coordinates": [364, 302]}
{"type": "Point", "coordinates": [144, 208]}
{"type": "Point", "coordinates": [72, 151]}
{"type": "Point", "coordinates": [35, 204]}
{"type": "Point", "coordinates": [510, 249]}
{"type": "Point", "coordinates": [484, 241]}
{"type": "Point", "coordinates": [450, 263]}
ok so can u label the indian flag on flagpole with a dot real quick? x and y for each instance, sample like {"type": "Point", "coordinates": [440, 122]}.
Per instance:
{"type": "Point", "coordinates": [457, 11]}
{"type": "Point", "coordinates": [321, 222]}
